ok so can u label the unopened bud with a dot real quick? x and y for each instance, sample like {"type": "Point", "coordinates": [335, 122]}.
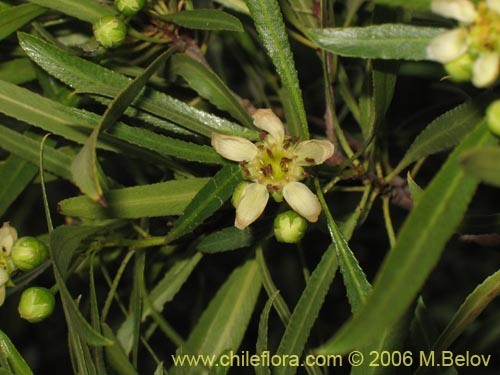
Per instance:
{"type": "Point", "coordinates": [29, 253]}
{"type": "Point", "coordinates": [289, 227]}
{"type": "Point", "coordinates": [460, 70]}
{"type": "Point", "coordinates": [493, 117]}
{"type": "Point", "coordinates": [110, 31]}
{"type": "Point", "coordinates": [129, 7]}
{"type": "Point", "coordinates": [36, 304]}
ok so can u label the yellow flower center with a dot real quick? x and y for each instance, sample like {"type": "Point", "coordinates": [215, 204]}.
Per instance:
{"type": "Point", "coordinates": [484, 33]}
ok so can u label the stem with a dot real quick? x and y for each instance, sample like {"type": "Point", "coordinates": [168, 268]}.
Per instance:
{"type": "Point", "coordinates": [388, 221]}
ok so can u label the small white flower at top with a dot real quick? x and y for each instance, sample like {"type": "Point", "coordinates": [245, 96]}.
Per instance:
{"type": "Point", "coordinates": [472, 50]}
{"type": "Point", "coordinates": [275, 165]}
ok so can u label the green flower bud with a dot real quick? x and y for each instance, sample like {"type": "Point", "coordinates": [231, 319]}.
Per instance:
{"type": "Point", "coordinates": [289, 227]}
{"type": "Point", "coordinates": [493, 117]}
{"type": "Point", "coordinates": [129, 7]}
{"type": "Point", "coordinates": [110, 31]}
{"type": "Point", "coordinates": [460, 70]}
{"type": "Point", "coordinates": [235, 199]}
{"type": "Point", "coordinates": [36, 304]}
{"type": "Point", "coordinates": [28, 253]}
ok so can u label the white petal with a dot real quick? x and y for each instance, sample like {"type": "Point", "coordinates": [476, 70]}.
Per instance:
{"type": "Point", "coordinates": [313, 152]}
{"type": "Point", "coordinates": [234, 148]}
{"type": "Point", "coordinates": [266, 120]}
{"type": "Point", "coordinates": [8, 235]}
{"type": "Point", "coordinates": [460, 10]}
{"type": "Point", "coordinates": [251, 205]}
{"type": "Point", "coordinates": [302, 200]}
{"type": "Point", "coordinates": [2, 294]}
{"type": "Point", "coordinates": [448, 46]}
{"type": "Point", "coordinates": [485, 69]}
{"type": "Point", "coordinates": [4, 276]}
{"type": "Point", "coordinates": [494, 4]}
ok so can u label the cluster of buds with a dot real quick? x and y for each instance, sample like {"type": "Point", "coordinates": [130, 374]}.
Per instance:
{"type": "Point", "coordinates": [24, 254]}
{"type": "Point", "coordinates": [470, 52]}
{"type": "Point", "coordinates": [111, 31]}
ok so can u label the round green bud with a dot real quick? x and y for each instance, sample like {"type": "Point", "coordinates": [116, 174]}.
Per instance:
{"type": "Point", "coordinates": [110, 31]}
{"type": "Point", "coordinates": [289, 227]}
{"type": "Point", "coordinates": [460, 70]}
{"type": "Point", "coordinates": [493, 117]}
{"type": "Point", "coordinates": [238, 192]}
{"type": "Point", "coordinates": [36, 304]}
{"type": "Point", "coordinates": [129, 7]}
{"type": "Point", "coordinates": [28, 253]}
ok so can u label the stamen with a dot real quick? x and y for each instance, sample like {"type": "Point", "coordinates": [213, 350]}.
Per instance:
{"type": "Point", "coordinates": [267, 170]}
{"type": "Point", "coordinates": [243, 163]}
{"type": "Point", "coordinates": [262, 135]}
{"type": "Point", "coordinates": [270, 153]}
{"type": "Point", "coordinates": [286, 145]}
{"type": "Point", "coordinates": [310, 160]}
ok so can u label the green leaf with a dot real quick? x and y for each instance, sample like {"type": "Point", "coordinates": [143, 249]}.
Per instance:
{"type": "Point", "coordinates": [83, 75]}
{"type": "Point", "coordinates": [209, 86]}
{"type": "Point", "coordinates": [208, 200]}
{"type": "Point", "coordinates": [13, 18]}
{"type": "Point", "coordinates": [204, 19]}
{"type": "Point", "coordinates": [417, 250]}
{"type": "Point", "coordinates": [262, 346]}
{"type": "Point", "coordinates": [64, 241]}
{"type": "Point", "coordinates": [414, 4]}
{"type": "Point", "coordinates": [226, 239]}
{"type": "Point", "coordinates": [387, 41]}
{"type": "Point", "coordinates": [55, 161]}
{"type": "Point", "coordinates": [415, 190]}
{"type": "Point", "coordinates": [483, 164]}
{"type": "Point", "coordinates": [15, 174]}
{"type": "Point", "coordinates": [307, 309]}
{"type": "Point", "coordinates": [445, 131]}
{"type": "Point", "coordinates": [15, 359]}
{"type": "Point", "coordinates": [85, 168]}
{"type": "Point", "coordinates": [115, 354]}
{"type": "Point", "coordinates": [171, 283]}
{"type": "Point", "coordinates": [17, 71]}
{"type": "Point", "coordinates": [237, 5]}
{"type": "Point", "coordinates": [225, 320]}
{"type": "Point", "coordinates": [161, 199]}
{"type": "Point", "coordinates": [470, 309]}
{"type": "Point", "coordinates": [271, 28]}
{"type": "Point", "coordinates": [85, 10]}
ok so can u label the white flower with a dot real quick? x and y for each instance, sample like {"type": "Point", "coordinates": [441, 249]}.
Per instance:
{"type": "Point", "coordinates": [485, 69]}
{"type": "Point", "coordinates": [275, 165]}
{"type": "Point", "coordinates": [448, 46]}
{"type": "Point", "coordinates": [8, 235]}
{"type": "Point", "coordinates": [460, 10]}
{"type": "Point", "coordinates": [4, 278]}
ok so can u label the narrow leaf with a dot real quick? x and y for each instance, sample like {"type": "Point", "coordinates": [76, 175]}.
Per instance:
{"type": "Point", "coordinates": [446, 131]}
{"type": "Point", "coordinates": [208, 200]}
{"type": "Point", "coordinates": [210, 86]}
{"type": "Point", "coordinates": [226, 239]}
{"type": "Point", "coordinates": [204, 19]}
{"type": "Point", "coordinates": [271, 28]}
{"type": "Point", "coordinates": [414, 4]}
{"type": "Point", "coordinates": [387, 41]}
{"type": "Point", "coordinates": [417, 250]}
{"type": "Point", "coordinates": [483, 164]}
{"type": "Point", "coordinates": [307, 309]}
{"type": "Point", "coordinates": [261, 345]}
{"type": "Point", "coordinates": [161, 199]}
{"type": "Point", "coordinates": [85, 10]}
{"type": "Point", "coordinates": [115, 354]}
{"type": "Point", "coordinates": [15, 359]}
{"type": "Point", "coordinates": [17, 71]}
{"type": "Point", "coordinates": [13, 18]}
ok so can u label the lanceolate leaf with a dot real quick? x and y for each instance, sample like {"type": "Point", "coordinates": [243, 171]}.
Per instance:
{"type": "Point", "coordinates": [271, 28]}
{"type": "Point", "coordinates": [446, 131]}
{"type": "Point", "coordinates": [161, 199]}
{"type": "Point", "coordinates": [483, 164]}
{"type": "Point", "coordinates": [307, 309]}
{"type": "Point", "coordinates": [225, 320]}
{"type": "Point", "coordinates": [416, 4]}
{"type": "Point", "coordinates": [13, 18]}
{"type": "Point", "coordinates": [225, 240]}
{"type": "Point", "coordinates": [209, 86]}
{"type": "Point", "coordinates": [83, 75]}
{"type": "Point", "coordinates": [204, 19]}
{"type": "Point", "coordinates": [84, 168]}
{"type": "Point", "coordinates": [387, 41]}
{"type": "Point", "coordinates": [473, 305]}
{"type": "Point", "coordinates": [418, 248]}
{"type": "Point", "coordinates": [85, 10]}
{"type": "Point", "coordinates": [208, 200]}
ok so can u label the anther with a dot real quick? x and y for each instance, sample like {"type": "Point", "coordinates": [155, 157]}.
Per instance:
{"type": "Point", "coordinates": [310, 160]}
{"type": "Point", "coordinates": [243, 163]}
{"type": "Point", "coordinates": [262, 135]}
{"type": "Point", "coordinates": [269, 153]}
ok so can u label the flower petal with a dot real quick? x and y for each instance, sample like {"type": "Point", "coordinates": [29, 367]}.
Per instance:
{"type": "Point", "coordinates": [251, 205]}
{"type": "Point", "coordinates": [234, 148]}
{"type": "Point", "coordinates": [8, 235]}
{"type": "Point", "coordinates": [266, 120]}
{"type": "Point", "coordinates": [302, 200]}
{"type": "Point", "coordinates": [448, 46]}
{"type": "Point", "coordinates": [4, 276]}
{"type": "Point", "coordinates": [313, 152]}
{"type": "Point", "coordinates": [460, 10]}
{"type": "Point", "coordinates": [494, 5]}
{"type": "Point", "coordinates": [2, 294]}
{"type": "Point", "coordinates": [485, 69]}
